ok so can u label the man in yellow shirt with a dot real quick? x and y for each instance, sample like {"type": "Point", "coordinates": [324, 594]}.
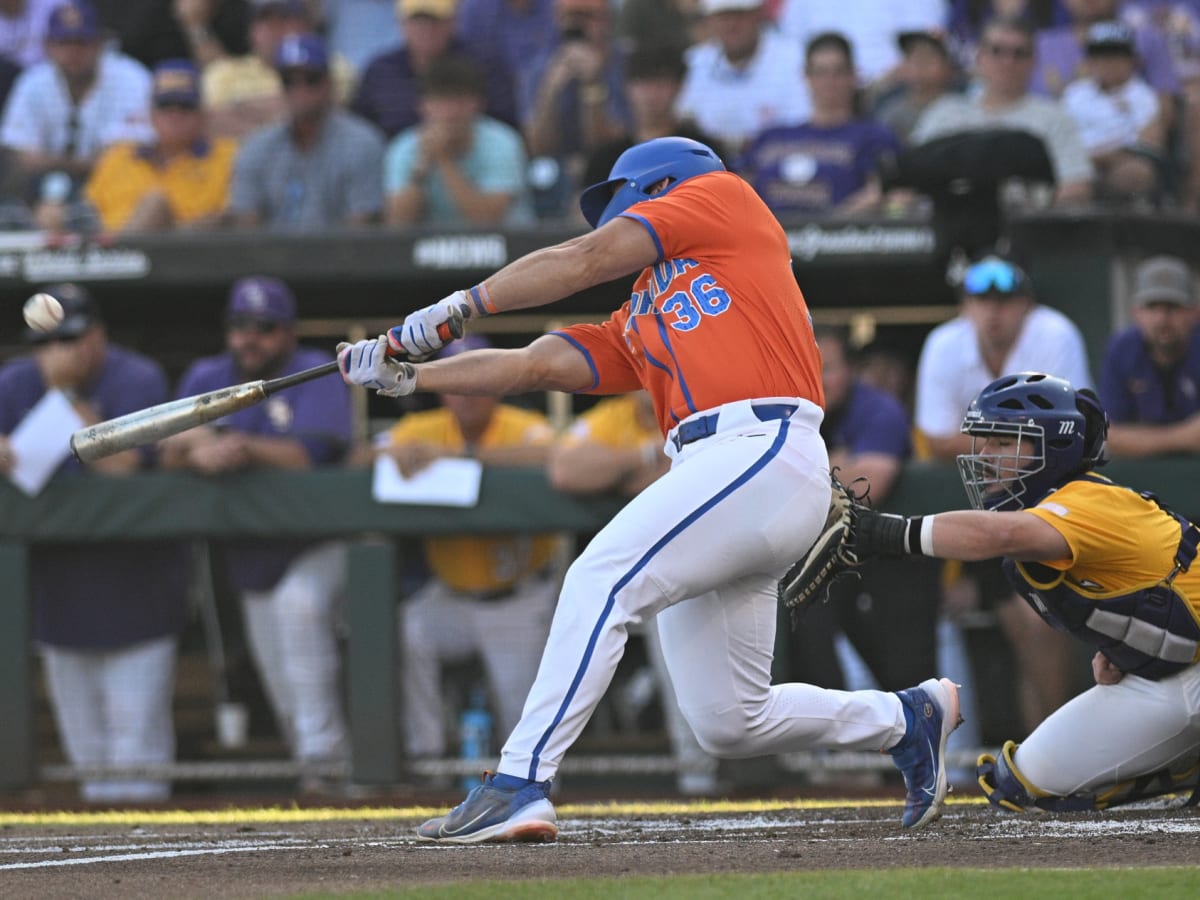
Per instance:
{"type": "Point", "coordinates": [488, 596]}
{"type": "Point", "coordinates": [181, 180]}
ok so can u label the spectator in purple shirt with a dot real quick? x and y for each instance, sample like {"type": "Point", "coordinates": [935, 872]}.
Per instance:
{"type": "Point", "coordinates": [827, 164]}
{"type": "Point", "coordinates": [515, 32]}
{"type": "Point", "coordinates": [389, 92]}
{"type": "Point", "coordinates": [106, 616]}
{"type": "Point", "coordinates": [1150, 380]}
{"type": "Point", "coordinates": [288, 587]}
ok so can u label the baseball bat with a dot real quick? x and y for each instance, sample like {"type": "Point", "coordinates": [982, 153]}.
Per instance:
{"type": "Point", "coordinates": [145, 426]}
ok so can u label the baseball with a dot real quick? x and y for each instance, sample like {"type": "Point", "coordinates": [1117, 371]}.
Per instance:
{"type": "Point", "coordinates": [42, 312]}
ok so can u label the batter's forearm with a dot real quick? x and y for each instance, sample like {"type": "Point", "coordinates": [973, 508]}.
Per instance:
{"type": "Point", "coordinates": [498, 373]}
{"type": "Point", "coordinates": [542, 277]}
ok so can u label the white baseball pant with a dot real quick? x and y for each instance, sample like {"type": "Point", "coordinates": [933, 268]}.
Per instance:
{"type": "Point", "coordinates": [113, 708]}
{"type": "Point", "coordinates": [703, 548]}
{"type": "Point", "coordinates": [1111, 733]}
{"type": "Point", "coordinates": [292, 633]}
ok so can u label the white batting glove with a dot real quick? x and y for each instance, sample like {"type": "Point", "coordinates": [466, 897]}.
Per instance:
{"type": "Point", "coordinates": [417, 337]}
{"type": "Point", "coordinates": [367, 363]}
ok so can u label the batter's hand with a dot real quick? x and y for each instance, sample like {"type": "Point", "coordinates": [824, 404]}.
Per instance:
{"type": "Point", "coordinates": [367, 363]}
{"type": "Point", "coordinates": [427, 330]}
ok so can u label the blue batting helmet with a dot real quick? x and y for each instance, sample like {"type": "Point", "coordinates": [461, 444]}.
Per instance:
{"type": "Point", "coordinates": [1039, 433]}
{"type": "Point", "coordinates": [642, 166]}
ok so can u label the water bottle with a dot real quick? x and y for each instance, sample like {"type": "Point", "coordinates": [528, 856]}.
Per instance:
{"type": "Point", "coordinates": [475, 732]}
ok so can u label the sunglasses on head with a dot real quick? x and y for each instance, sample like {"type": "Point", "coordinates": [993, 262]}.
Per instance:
{"type": "Point", "coordinates": [309, 77]}
{"type": "Point", "coordinates": [993, 276]}
{"type": "Point", "coordinates": [258, 326]}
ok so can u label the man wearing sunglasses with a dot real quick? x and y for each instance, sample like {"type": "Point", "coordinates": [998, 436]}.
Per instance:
{"type": "Point", "coordinates": [288, 588]}
{"type": "Point", "coordinates": [320, 167]}
{"type": "Point", "coordinates": [1004, 66]}
{"type": "Point", "coordinates": [1000, 328]}
{"type": "Point", "coordinates": [106, 616]}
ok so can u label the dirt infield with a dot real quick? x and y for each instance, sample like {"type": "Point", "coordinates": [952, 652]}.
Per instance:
{"type": "Point", "coordinates": [260, 853]}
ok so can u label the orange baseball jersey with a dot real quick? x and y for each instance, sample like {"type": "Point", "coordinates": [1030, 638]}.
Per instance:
{"type": "Point", "coordinates": [718, 318]}
{"type": "Point", "coordinates": [477, 562]}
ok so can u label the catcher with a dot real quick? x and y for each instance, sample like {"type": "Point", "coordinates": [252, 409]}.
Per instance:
{"type": "Point", "coordinates": [1103, 562]}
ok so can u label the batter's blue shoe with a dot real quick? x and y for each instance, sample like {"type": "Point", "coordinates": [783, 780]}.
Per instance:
{"type": "Point", "coordinates": [931, 711]}
{"type": "Point", "coordinates": [497, 813]}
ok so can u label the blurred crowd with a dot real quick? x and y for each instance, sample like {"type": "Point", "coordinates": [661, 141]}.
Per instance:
{"type": "Point", "coordinates": [136, 117]}
{"type": "Point", "coordinates": [146, 116]}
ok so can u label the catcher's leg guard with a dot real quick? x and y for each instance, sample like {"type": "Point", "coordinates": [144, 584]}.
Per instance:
{"type": "Point", "coordinates": [1005, 786]}
{"type": "Point", "coordinates": [1182, 778]}
{"type": "Point", "coordinates": [1002, 782]}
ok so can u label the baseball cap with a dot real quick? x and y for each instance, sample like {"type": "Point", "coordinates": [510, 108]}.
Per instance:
{"type": "Point", "coordinates": [435, 9]}
{"type": "Point", "coordinates": [1110, 37]}
{"type": "Point", "coordinates": [709, 7]}
{"type": "Point", "coordinates": [80, 313]}
{"type": "Point", "coordinates": [176, 83]}
{"type": "Point", "coordinates": [994, 276]}
{"type": "Point", "coordinates": [302, 51]}
{"type": "Point", "coordinates": [260, 298]}
{"type": "Point", "coordinates": [1163, 279]}
{"type": "Point", "coordinates": [74, 20]}
{"type": "Point", "coordinates": [935, 37]}
{"type": "Point", "coordinates": [463, 344]}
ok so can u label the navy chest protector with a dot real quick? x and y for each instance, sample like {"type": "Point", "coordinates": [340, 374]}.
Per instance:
{"type": "Point", "coordinates": [1151, 632]}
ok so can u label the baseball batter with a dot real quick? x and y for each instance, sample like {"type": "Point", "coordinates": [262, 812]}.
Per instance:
{"type": "Point", "coordinates": [717, 331]}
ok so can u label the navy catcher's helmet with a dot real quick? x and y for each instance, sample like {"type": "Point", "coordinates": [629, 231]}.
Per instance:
{"type": "Point", "coordinates": [1042, 432]}
{"type": "Point", "coordinates": [642, 166]}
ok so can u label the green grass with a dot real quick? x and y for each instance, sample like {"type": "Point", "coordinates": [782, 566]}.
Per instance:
{"type": "Point", "coordinates": [923, 884]}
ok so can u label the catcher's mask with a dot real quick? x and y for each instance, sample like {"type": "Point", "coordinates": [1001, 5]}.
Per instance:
{"type": "Point", "coordinates": [641, 167]}
{"type": "Point", "coordinates": [1030, 433]}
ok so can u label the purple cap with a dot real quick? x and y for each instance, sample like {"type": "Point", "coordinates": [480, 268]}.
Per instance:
{"type": "Point", "coordinates": [463, 344]}
{"type": "Point", "coordinates": [176, 82]}
{"type": "Point", "coordinates": [302, 51]}
{"type": "Point", "coordinates": [74, 20]}
{"type": "Point", "coordinates": [261, 298]}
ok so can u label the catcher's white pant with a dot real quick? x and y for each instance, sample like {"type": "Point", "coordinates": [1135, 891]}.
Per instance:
{"type": "Point", "coordinates": [442, 625]}
{"type": "Point", "coordinates": [703, 549]}
{"type": "Point", "coordinates": [292, 634]}
{"type": "Point", "coordinates": [1111, 733]}
{"type": "Point", "coordinates": [113, 707]}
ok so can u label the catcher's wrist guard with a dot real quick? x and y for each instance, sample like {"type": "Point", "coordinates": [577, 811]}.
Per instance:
{"type": "Point", "coordinates": [889, 535]}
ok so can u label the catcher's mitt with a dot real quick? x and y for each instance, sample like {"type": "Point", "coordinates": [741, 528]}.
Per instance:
{"type": "Point", "coordinates": [833, 557]}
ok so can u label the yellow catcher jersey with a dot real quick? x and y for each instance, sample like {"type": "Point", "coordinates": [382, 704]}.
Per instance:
{"type": "Point", "coordinates": [1112, 590]}
{"type": "Point", "coordinates": [1119, 541]}
{"type": "Point", "coordinates": [478, 563]}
